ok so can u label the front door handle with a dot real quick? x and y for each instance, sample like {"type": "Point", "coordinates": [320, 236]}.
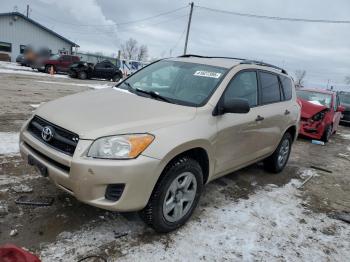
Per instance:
{"type": "Point", "coordinates": [287, 112]}
{"type": "Point", "coordinates": [259, 118]}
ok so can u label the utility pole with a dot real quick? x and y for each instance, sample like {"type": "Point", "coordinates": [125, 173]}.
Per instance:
{"type": "Point", "coordinates": [27, 11]}
{"type": "Point", "coordinates": [188, 27]}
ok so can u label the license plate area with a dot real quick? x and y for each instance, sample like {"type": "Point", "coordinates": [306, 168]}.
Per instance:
{"type": "Point", "coordinates": [41, 167]}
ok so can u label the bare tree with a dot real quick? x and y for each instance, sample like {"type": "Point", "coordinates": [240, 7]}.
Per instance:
{"type": "Point", "coordinates": [129, 49]}
{"type": "Point", "coordinates": [347, 80]}
{"type": "Point", "coordinates": [143, 53]}
{"type": "Point", "coordinates": [300, 77]}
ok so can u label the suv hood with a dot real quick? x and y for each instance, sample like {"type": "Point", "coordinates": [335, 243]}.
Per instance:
{"type": "Point", "coordinates": [112, 111]}
{"type": "Point", "coordinates": [309, 109]}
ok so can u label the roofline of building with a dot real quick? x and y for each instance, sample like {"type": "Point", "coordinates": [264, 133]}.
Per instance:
{"type": "Point", "coordinates": [39, 25]}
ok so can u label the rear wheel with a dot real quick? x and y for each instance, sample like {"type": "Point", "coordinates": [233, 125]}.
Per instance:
{"type": "Point", "coordinates": [82, 75]}
{"type": "Point", "coordinates": [48, 69]}
{"type": "Point", "coordinates": [175, 196]}
{"type": "Point", "coordinates": [278, 160]}
{"type": "Point", "coordinates": [116, 78]}
{"type": "Point", "coordinates": [327, 133]}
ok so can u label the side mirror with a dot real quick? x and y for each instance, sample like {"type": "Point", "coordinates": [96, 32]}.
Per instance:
{"type": "Point", "coordinates": [341, 109]}
{"type": "Point", "coordinates": [236, 105]}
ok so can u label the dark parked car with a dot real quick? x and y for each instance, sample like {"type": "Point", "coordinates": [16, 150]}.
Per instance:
{"type": "Point", "coordinates": [60, 63]}
{"type": "Point", "coordinates": [20, 59]}
{"type": "Point", "coordinates": [345, 102]}
{"type": "Point", "coordinates": [103, 70]}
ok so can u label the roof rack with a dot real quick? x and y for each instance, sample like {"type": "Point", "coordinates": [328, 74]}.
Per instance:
{"type": "Point", "coordinates": [260, 63]}
{"type": "Point", "coordinates": [224, 57]}
{"type": "Point", "coordinates": [243, 61]}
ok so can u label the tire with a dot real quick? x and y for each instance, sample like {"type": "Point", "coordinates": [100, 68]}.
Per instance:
{"type": "Point", "coordinates": [47, 69]}
{"type": "Point", "coordinates": [116, 78]}
{"type": "Point", "coordinates": [327, 133]}
{"type": "Point", "coordinates": [278, 160]}
{"type": "Point", "coordinates": [82, 75]}
{"type": "Point", "coordinates": [169, 187]}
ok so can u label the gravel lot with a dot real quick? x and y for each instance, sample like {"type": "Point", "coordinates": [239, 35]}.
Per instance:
{"type": "Point", "coordinates": [249, 215]}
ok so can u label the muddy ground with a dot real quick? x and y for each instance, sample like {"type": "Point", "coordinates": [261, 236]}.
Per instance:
{"type": "Point", "coordinates": [326, 193]}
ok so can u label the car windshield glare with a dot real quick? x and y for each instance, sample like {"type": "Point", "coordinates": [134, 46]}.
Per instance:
{"type": "Point", "coordinates": [315, 97]}
{"type": "Point", "coordinates": [182, 83]}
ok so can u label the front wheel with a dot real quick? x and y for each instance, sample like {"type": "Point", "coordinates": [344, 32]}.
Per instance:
{"type": "Point", "coordinates": [116, 78]}
{"type": "Point", "coordinates": [278, 160]}
{"type": "Point", "coordinates": [82, 75]}
{"type": "Point", "coordinates": [327, 133]}
{"type": "Point", "coordinates": [175, 196]}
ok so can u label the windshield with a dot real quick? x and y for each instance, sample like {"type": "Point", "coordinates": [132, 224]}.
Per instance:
{"type": "Point", "coordinates": [315, 97]}
{"type": "Point", "coordinates": [344, 98]}
{"type": "Point", "coordinates": [54, 57]}
{"type": "Point", "coordinates": [179, 82]}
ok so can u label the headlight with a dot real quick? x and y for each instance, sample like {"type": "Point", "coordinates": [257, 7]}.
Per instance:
{"type": "Point", "coordinates": [120, 147]}
{"type": "Point", "coordinates": [319, 116]}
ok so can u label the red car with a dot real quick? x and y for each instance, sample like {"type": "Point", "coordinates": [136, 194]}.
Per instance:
{"type": "Point", "coordinates": [320, 113]}
{"type": "Point", "coordinates": [60, 63]}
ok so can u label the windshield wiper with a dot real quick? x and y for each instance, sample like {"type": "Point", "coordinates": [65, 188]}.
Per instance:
{"type": "Point", "coordinates": [152, 94]}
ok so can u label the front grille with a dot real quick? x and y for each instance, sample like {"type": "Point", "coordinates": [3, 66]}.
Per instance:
{"type": "Point", "coordinates": [114, 191]}
{"type": "Point", "coordinates": [62, 140]}
{"type": "Point", "coordinates": [48, 159]}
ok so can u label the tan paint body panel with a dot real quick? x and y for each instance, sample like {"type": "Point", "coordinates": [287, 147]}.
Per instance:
{"type": "Point", "coordinates": [231, 141]}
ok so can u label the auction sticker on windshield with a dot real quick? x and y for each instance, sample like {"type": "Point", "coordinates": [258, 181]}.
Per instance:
{"type": "Point", "coordinates": [207, 74]}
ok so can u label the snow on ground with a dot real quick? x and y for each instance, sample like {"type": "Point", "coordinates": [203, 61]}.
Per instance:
{"type": "Point", "coordinates": [345, 136]}
{"type": "Point", "coordinates": [32, 72]}
{"type": "Point", "coordinates": [11, 65]}
{"type": "Point", "coordinates": [13, 68]}
{"type": "Point", "coordinates": [272, 225]}
{"type": "Point", "coordinates": [9, 143]}
{"type": "Point", "coordinates": [94, 86]}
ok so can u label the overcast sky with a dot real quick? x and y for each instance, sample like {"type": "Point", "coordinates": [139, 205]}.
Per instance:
{"type": "Point", "coordinates": [323, 50]}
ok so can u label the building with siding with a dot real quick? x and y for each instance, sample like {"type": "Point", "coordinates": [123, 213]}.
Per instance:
{"type": "Point", "coordinates": [18, 31]}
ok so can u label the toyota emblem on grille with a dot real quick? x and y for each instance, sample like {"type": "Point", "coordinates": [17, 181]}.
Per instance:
{"type": "Point", "coordinates": [47, 133]}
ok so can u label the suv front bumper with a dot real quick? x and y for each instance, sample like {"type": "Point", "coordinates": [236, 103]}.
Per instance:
{"type": "Point", "coordinates": [87, 178]}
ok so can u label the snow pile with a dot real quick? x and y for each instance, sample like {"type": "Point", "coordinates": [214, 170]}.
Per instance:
{"type": "Point", "coordinates": [94, 86]}
{"type": "Point", "coordinates": [9, 143]}
{"type": "Point", "coordinates": [14, 66]}
{"type": "Point", "coordinates": [271, 225]}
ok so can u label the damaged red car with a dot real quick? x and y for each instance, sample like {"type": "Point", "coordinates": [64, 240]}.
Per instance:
{"type": "Point", "coordinates": [320, 113]}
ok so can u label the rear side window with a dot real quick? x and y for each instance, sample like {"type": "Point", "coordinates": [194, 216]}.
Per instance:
{"type": "Point", "coordinates": [287, 86]}
{"type": "Point", "coordinates": [244, 85]}
{"type": "Point", "coordinates": [270, 89]}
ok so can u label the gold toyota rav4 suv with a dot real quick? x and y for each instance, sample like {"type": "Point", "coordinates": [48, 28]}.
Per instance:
{"type": "Point", "coordinates": [152, 142]}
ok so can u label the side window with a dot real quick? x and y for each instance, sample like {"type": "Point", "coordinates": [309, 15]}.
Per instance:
{"type": "Point", "coordinates": [269, 88]}
{"type": "Point", "coordinates": [244, 85]}
{"type": "Point", "coordinates": [22, 48]}
{"type": "Point", "coordinates": [287, 86]}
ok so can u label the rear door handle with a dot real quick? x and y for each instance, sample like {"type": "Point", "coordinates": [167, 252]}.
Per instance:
{"type": "Point", "coordinates": [259, 118]}
{"type": "Point", "coordinates": [287, 112]}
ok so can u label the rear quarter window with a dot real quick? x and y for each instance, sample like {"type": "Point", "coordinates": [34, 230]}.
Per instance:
{"type": "Point", "coordinates": [287, 86]}
{"type": "Point", "coordinates": [270, 88]}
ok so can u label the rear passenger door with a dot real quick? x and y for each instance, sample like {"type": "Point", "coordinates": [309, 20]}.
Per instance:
{"type": "Point", "coordinates": [274, 111]}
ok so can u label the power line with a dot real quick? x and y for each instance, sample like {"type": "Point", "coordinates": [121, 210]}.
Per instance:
{"type": "Point", "coordinates": [118, 24]}
{"type": "Point", "coordinates": [290, 19]}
